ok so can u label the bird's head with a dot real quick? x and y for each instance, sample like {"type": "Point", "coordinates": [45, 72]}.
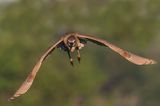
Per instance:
{"type": "Point", "coordinates": [71, 43]}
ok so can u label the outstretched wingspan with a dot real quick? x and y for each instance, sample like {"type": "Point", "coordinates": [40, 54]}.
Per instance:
{"type": "Point", "coordinates": [29, 80]}
{"type": "Point", "coordinates": [127, 55]}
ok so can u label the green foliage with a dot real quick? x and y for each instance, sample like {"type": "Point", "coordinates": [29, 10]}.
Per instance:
{"type": "Point", "coordinates": [102, 78]}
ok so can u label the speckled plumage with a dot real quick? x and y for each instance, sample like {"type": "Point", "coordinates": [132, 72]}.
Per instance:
{"type": "Point", "coordinates": [75, 41]}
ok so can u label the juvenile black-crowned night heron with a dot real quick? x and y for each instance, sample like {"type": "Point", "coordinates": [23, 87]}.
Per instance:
{"type": "Point", "coordinates": [70, 42]}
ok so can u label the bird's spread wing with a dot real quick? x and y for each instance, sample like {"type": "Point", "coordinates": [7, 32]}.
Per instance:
{"type": "Point", "coordinates": [29, 80]}
{"type": "Point", "coordinates": [127, 55]}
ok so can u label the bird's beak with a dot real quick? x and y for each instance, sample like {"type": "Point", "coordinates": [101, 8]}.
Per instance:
{"type": "Point", "coordinates": [72, 49]}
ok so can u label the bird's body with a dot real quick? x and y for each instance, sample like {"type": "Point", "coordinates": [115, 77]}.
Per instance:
{"type": "Point", "coordinates": [71, 42]}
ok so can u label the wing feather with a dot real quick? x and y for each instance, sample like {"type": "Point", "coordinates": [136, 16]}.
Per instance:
{"type": "Point", "coordinates": [127, 55]}
{"type": "Point", "coordinates": [29, 80]}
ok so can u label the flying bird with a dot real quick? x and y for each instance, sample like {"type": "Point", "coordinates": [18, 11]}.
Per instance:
{"type": "Point", "coordinates": [71, 42]}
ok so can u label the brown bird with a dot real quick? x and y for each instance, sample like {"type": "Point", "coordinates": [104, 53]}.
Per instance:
{"type": "Point", "coordinates": [75, 41]}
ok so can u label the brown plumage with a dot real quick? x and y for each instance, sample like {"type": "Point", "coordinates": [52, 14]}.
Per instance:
{"type": "Point", "coordinates": [75, 41]}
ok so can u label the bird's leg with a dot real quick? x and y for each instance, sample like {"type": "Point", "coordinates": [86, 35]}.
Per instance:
{"type": "Point", "coordinates": [78, 55]}
{"type": "Point", "coordinates": [70, 58]}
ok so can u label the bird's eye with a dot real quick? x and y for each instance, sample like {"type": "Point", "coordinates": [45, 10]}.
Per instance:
{"type": "Point", "coordinates": [71, 43]}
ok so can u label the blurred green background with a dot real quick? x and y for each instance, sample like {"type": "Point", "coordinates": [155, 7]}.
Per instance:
{"type": "Point", "coordinates": [103, 78]}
